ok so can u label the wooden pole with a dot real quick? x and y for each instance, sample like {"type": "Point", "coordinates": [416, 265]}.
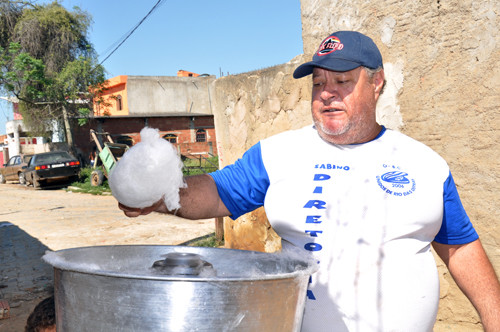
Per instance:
{"type": "Point", "coordinates": [219, 229]}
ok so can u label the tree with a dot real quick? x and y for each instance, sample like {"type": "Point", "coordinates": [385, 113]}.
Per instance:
{"type": "Point", "coordinates": [10, 12]}
{"type": "Point", "coordinates": [49, 64]}
{"type": "Point", "coordinates": [53, 34]}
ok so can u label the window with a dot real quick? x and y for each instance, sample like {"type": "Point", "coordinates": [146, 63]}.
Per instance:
{"type": "Point", "coordinates": [201, 135]}
{"type": "Point", "coordinates": [171, 138]}
{"type": "Point", "coordinates": [27, 158]}
{"type": "Point", "coordinates": [124, 139]}
{"type": "Point", "coordinates": [119, 104]}
{"type": "Point", "coordinates": [13, 161]}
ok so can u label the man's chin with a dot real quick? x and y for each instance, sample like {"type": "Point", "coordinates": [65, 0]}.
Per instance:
{"type": "Point", "coordinates": [332, 130]}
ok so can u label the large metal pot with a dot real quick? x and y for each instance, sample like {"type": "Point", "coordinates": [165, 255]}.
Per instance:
{"type": "Point", "coordinates": [175, 288]}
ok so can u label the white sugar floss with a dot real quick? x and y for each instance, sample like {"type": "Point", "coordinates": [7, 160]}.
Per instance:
{"type": "Point", "coordinates": [148, 171]}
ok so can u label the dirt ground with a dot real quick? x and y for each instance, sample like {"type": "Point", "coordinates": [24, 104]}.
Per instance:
{"type": "Point", "coordinates": [33, 221]}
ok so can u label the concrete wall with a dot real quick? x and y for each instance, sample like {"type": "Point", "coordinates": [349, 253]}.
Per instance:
{"type": "Point", "coordinates": [256, 105]}
{"type": "Point", "coordinates": [165, 94]}
{"type": "Point", "coordinates": [248, 108]}
{"type": "Point", "coordinates": [441, 61]}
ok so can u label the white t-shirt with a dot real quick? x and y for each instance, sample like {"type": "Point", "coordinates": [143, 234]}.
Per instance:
{"type": "Point", "coordinates": [368, 213]}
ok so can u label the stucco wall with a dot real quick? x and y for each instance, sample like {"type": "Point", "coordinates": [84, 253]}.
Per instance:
{"type": "Point", "coordinates": [248, 108]}
{"type": "Point", "coordinates": [256, 105]}
{"type": "Point", "coordinates": [441, 60]}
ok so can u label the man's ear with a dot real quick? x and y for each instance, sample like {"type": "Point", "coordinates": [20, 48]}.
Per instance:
{"type": "Point", "coordinates": [379, 81]}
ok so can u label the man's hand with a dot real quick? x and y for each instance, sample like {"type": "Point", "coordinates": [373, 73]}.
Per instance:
{"type": "Point", "coordinates": [136, 212]}
{"type": "Point", "coordinates": [199, 200]}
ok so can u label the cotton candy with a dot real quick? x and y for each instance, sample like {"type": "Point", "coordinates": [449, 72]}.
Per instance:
{"type": "Point", "coordinates": [148, 171]}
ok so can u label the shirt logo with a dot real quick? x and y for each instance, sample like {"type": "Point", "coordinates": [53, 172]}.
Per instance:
{"type": "Point", "coordinates": [329, 45]}
{"type": "Point", "coordinates": [397, 183]}
{"type": "Point", "coordinates": [395, 177]}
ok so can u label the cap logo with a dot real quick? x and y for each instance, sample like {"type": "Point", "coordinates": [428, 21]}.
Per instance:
{"type": "Point", "coordinates": [329, 45]}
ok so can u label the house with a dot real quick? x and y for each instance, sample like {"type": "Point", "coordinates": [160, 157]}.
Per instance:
{"type": "Point", "coordinates": [18, 140]}
{"type": "Point", "coordinates": [178, 106]}
{"type": "Point", "coordinates": [184, 73]}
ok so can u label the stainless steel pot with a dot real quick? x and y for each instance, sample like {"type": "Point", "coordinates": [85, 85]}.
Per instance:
{"type": "Point", "coordinates": [174, 288]}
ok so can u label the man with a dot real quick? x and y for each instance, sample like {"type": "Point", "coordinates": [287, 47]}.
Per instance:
{"type": "Point", "coordinates": [366, 201]}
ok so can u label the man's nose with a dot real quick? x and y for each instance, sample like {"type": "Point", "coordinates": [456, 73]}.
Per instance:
{"type": "Point", "coordinates": [330, 91]}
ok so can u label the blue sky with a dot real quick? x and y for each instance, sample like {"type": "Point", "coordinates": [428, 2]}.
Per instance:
{"type": "Point", "coordinates": [228, 36]}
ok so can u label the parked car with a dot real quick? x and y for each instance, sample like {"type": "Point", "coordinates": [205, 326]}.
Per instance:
{"type": "Point", "coordinates": [51, 167]}
{"type": "Point", "coordinates": [13, 170]}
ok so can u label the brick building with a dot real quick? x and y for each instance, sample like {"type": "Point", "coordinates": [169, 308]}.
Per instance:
{"type": "Point", "coordinates": [192, 135]}
{"type": "Point", "coordinates": [179, 107]}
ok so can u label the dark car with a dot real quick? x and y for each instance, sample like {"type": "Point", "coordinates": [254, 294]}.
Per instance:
{"type": "Point", "coordinates": [13, 170]}
{"type": "Point", "coordinates": [51, 168]}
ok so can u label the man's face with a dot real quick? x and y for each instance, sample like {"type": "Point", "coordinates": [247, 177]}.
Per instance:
{"type": "Point", "coordinates": [343, 105]}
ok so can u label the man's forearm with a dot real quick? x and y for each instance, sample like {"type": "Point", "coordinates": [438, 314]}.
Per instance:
{"type": "Point", "coordinates": [200, 200]}
{"type": "Point", "coordinates": [472, 271]}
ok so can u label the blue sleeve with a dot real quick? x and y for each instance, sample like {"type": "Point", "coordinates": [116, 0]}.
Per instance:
{"type": "Point", "coordinates": [242, 186]}
{"type": "Point", "coordinates": [456, 227]}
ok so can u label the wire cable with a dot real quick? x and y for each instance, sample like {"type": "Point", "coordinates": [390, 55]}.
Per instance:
{"type": "Point", "coordinates": [128, 34]}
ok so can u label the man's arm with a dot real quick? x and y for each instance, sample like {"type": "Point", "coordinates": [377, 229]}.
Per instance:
{"type": "Point", "coordinates": [472, 271]}
{"type": "Point", "coordinates": [200, 200]}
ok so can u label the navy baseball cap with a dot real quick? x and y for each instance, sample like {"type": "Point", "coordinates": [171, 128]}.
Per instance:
{"type": "Point", "coordinates": [343, 51]}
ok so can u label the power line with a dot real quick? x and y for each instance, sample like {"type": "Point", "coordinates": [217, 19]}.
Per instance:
{"type": "Point", "coordinates": [128, 34]}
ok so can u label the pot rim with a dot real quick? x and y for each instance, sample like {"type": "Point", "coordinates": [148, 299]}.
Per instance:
{"type": "Point", "coordinates": [308, 266]}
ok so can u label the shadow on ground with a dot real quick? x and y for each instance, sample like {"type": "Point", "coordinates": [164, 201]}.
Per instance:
{"type": "Point", "coordinates": [24, 278]}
